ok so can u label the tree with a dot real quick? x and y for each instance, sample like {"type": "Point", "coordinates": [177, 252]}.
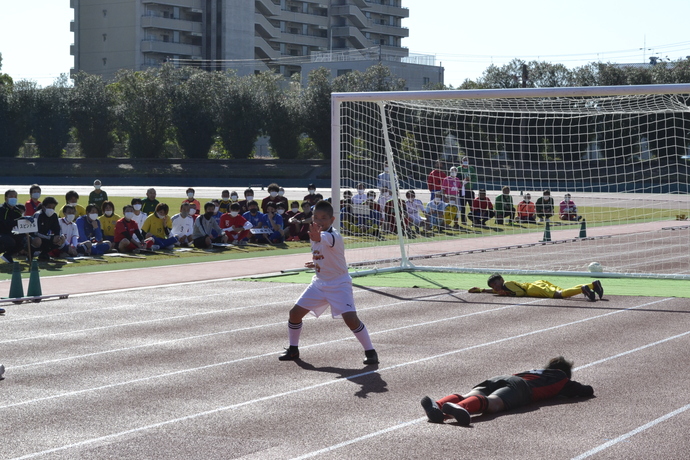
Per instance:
{"type": "Point", "coordinates": [91, 103]}
{"type": "Point", "coordinates": [282, 120]}
{"type": "Point", "coordinates": [192, 112]}
{"type": "Point", "coordinates": [316, 109]}
{"type": "Point", "coordinates": [16, 101]}
{"type": "Point", "coordinates": [143, 110]}
{"type": "Point", "coordinates": [240, 117]}
{"type": "Point", "coordinates": [50, 118]}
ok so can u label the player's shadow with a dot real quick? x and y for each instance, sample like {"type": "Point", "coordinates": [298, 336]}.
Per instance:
{"type": "Point", "coordinates": [369, 380]}
{"type": "Point", "coordinates": [529, 408]}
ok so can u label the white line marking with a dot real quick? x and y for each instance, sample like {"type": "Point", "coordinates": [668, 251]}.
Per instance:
{"type": "Point", "coordinates": [629, 434]}
{"type": "Point", "coordinates": [299, 390]}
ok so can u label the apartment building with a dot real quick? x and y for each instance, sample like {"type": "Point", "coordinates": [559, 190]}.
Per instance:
{"type": "Point", "coordinates": [286, 36]}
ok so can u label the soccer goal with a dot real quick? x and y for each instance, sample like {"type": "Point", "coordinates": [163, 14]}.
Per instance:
{"type": "Point", "coordinates": [621, 154]}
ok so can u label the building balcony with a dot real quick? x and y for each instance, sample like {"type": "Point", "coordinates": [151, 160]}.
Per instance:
{"type": "Point", "coordinates": [376, 6]}
{"type": "Point", "coordinates": [354, 14]}
{"type": "Point", "coordinates": [264, 27]}
{"type": "Point", "coordinates": [170, 48]}
{"type": "Point", "coordinates": [353, 35]}
{"type": "Point", "coordinates": [389, 30]}
{"type": "Point", "coordinates": [304, 18]}
{"type": "Point", "coordinates": [72, 49]}
{"type": "Point", "coordinates": [195, 5]}
{"type": "Point", "coordinates": [264, 50]}
{"type": "Point", "coordinates": [303, 39]}
{"type": "Point", "coordinates": [267, 7]}
{"type": "Point", "coordinates": [157, 22]}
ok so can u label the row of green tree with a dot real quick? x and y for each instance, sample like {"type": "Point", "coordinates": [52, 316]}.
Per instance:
{"type": "Point", "coordinates": [196, 110]}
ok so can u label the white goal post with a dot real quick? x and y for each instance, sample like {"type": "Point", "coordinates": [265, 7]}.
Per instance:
{"type": "Point", "coordinates": [620, 152]}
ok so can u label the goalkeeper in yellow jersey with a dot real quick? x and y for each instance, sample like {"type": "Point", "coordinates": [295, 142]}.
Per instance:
{"type": "Point", "coordinates": [539, 288]}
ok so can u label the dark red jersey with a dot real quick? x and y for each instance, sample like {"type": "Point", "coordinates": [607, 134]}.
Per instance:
{"type": "Point", "coordinates": [547, 383]}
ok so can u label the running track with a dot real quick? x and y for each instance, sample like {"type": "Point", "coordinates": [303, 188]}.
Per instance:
{"type": "Point", "coordinates": [191, 371]}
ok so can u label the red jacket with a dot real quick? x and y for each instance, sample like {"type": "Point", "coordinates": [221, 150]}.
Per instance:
{"type": "Point", "coordinates": [435, 179]}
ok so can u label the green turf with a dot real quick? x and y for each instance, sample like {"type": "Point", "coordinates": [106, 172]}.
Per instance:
{"type": "Point", "coordinates": [462, 281]}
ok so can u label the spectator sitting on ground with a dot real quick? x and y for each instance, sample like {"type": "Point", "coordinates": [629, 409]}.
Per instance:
{"type": "Point", "coordinates": [527, 211]}
{"type": "Point", "coordinates": [435, 179]}
{"type": "Point", "coordinates": [72, 198]}
{"type": "Point", "coordinates": [299, 223]}
{"type": "Point", "coordinates": [126, 230]}
{"type": "Point", "coordinates": [139, 215]}
{"type": "Point", "coordinates": [292, 212]}
{"type": "Point", "coordinates": [49, 235]}
{"type": "Point", "coordinates": [98, 196]}
{"type": "Point", "coordinates": [389, 215]}
{"type": "Point", "coordinates": [244, 204]}
{"type": "Point", "coordinates": [33, 204]}
{"type": "Point", "coordinates": [545, 206]}
{"type": "Point", "coordinates": [504, 207]}
{"type": "Point", "coordinates": [205, 226]}
{"type": "Point", "coordinates": [258, 220]}
{"type": "Point", "coordinates": [108, 220]}
{"type": "Point", "coordinates": [150, 202]}
{"type": "Point", "coordinates": [10, 244]}
{"type": "Point", "coordinates": [310, 197]}
{"type": "Point", "coordinates": [415, 208]}
{"type": "Point", "coordinates": [193, 211]}
{"type": "Point", "coordinates": [274, 221]}
{"type": "Point", "coordinates": [568, 210]}
{"type": "Point", "coordinates": [224, 201]}
{"type": "Point", "coordinates": [68, 227]}
{"type": "Point", "coordinates": [190, 198]}
{"type": "Point", "coordinates": [158, 227]}
{"type": "Point", "coordinates": [90, 231]}
{"type": "Point", "coordinates": [235, 226]}
{"type": "Point", "coordinates": [216, 211]}
{"type": "Point", "coordinates": [451, 214]}
{"type": "Point", "coordinates": [482, 209]}
{"type": "Point", "coordinates": [361, 196]}
{"type": "Point", "coordinates": [434, 211]}
{"type": "Point", "coordinates": [183, 226]}
{"type": "Point", "coordinates": [280, 210]}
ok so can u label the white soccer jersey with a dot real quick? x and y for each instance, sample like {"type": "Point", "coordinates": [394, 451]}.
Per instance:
{"type": "Point", "coordinates": [329, 258]}
{"type": "Point", "coordinates": [140, 219]}
{"type": "Point", "coordinates": [182, 226]}
{"type": "Point", "coordinates": [70, 230]}
{"type": "Point", "coordinates": [359, 198]}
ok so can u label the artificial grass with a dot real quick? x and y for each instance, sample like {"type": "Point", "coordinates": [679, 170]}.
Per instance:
{"type": "Point", "coordinates": [463, 281]}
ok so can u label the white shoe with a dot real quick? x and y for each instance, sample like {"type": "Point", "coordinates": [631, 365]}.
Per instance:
{"type": "Point", "coordinates": [155, 247]}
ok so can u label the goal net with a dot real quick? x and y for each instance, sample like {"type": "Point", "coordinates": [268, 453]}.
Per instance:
{"type": "Point", "coordinates": [613, 160]}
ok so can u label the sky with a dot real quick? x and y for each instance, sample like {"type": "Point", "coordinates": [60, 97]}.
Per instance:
{"type": "Point", "coordinates": [465, 36]}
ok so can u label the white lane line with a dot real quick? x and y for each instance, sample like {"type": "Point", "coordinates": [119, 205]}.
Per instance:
{"type": "Point", "coordinates": [629, 434]}
{"type": "Point", "coordinates": [299, 390]}
{"type": "Point", "coordinates": [225, 363]}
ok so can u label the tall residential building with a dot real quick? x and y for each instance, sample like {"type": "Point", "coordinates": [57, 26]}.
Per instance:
{"type": "Point", "coordinates": [286, 36]}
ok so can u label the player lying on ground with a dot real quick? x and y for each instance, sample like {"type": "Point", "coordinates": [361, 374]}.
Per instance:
{"type": "Point", "coordinates": [506, 392]}
{"type": "Point", "coordinates": [539, 288]}
{"type": "Point", "coordinates": [331, 285]}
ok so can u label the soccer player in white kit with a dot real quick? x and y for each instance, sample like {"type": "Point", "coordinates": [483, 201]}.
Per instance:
{"type": "Point", "coordinates": [331, 285]}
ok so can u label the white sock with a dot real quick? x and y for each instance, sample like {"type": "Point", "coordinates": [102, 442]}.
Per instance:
{"type": "Point", "coordinates": [294, 331]}
{"type": "Point", "coordinates": [363, 336]}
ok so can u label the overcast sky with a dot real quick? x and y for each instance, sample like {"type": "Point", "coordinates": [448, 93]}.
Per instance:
{"type": "Point", "coordinates": [466, 36]}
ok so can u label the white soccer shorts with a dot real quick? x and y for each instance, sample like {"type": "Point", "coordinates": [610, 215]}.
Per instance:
{"type": "Point", "coordinates": [317, 297]}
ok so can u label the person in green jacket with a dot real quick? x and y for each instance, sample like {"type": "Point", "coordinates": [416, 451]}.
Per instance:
{"type": "Point", "coordinates": [504, 207]}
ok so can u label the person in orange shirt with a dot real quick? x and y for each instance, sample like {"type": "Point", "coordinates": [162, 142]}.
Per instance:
{"type": "Point", "coordinates": [527, 211]}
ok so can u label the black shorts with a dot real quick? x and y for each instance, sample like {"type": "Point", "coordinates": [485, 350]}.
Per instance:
{"type": "Point", "coordinates": [513, 391]}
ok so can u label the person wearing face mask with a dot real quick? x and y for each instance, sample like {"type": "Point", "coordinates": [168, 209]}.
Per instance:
{"type": "Point", "coordinates": [90, 231]}
{"type": "Point", "coordinates": [72, 197]}
{"type": "Point", "coordinates": [225, 201]}
{"type": "Point", "coordinates": [434, 212]}
{"type": "Point", "coordinates": [273, 196]}
{"type": "Point", "coordinates": [384, 179]}
{"type": "Point", "coordinates": [150, 202]}
{"type": "Point", "coordinates": [545, 206]}
{"type": "Point", "coordinates": [98, 196]}
{"type": "Point", "coordinates": [274, 221]}
{"type": "Point", "coordinates": [244, 204]}
{"type": "Point", "coordinates": [139, 215]}
{"type": "Point", "coordinates": [183, 226]}
{"type": "Point", "coordinates": [190, 198]}
{"type": "Point", "coordinates": [158, 227]}
{"type": "Point", "coordinates": [235, 226]}
{"type": "Point", "coordinates": [504, 207]}
{"type": "Point", "coordinates": [10, 243]}
{"type": "Point", "coordinates": [258, 220]}
{"type": "Point", "coordinates": [361, 196]}
{"type": "Point", "coordinates": [205, 227]}
{"type": "Point", "coordinates": [126, 230]}
{"type": "Point", "coordinates": [68, 227]}
{"type": "Point", "coordinates": [527, 211]}
{"type": "Point", "coordinates": [299, 223]}
{"type": "Point", "coordinates": [452, 187]}
{"type": "Point", "coordinates": [108, 220]}
{"type": "Point", "coordinates": [311, 196]}
{"type": "Point", "coordinates": [482, 209]}
{"type": "Point", "coordinates": [34, 204]}
{"type": "Point", "coordinates": [49, 235]}
{"type": "Point", "coordinates": [415, 209]}
{"type": "Point", "coordinates": [568, 209]}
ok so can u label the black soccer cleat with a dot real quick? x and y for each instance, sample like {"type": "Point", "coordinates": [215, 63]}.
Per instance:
{"type": "Point", "coordinates": [371, 357]}
{"type": "Point", "coordinates": [290, 354]}
{"type": "Point", "coordinates": [459, 412]}
{"type": "Point", "coordinates": [433, 413]}
{"type": "Point", "coordinates": [589, 293]}
{"type": "Point", "coordinates": [598, 288]}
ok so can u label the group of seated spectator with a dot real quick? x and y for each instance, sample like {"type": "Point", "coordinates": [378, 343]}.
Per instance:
{"type": "Point", "coordinates": [72, 230]}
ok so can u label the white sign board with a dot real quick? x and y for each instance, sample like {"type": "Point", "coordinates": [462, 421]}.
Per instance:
{"type": "Point", "coordinates": [25, 226]}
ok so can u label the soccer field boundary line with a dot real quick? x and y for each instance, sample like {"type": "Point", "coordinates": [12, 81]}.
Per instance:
{"type": "Point", "coordinates": [311, 387]}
